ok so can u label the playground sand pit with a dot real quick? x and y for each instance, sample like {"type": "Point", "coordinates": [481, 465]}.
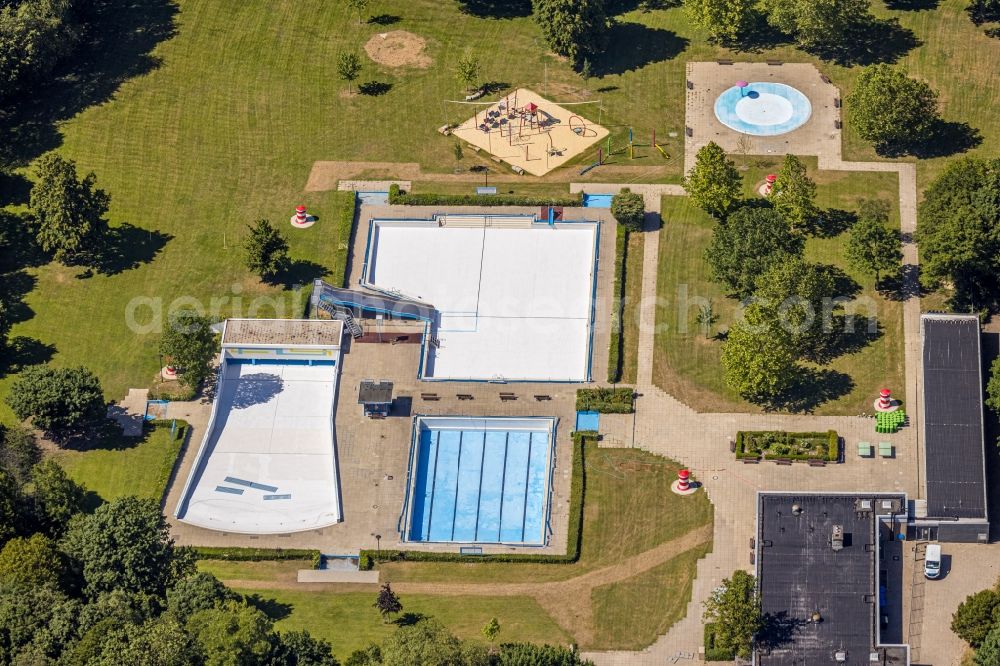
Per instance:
{"type": "Point", "coordinates": [398, 48]}
{"type": "Point", "coordinates": [530, 132]}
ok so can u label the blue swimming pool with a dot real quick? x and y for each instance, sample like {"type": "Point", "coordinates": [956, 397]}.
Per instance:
{"type": "Point", "coordinates": [480, 480]}
{"type": "Point", "coordinates": [597, 200]}
{"type": "Point", "coordinates": [763, 108]}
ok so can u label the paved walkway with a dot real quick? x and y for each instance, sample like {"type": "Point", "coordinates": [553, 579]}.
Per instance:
{"type": "Point", "coordinates": [130, 412]}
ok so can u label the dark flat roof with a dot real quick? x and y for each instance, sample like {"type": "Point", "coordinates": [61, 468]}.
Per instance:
{"type": "Point", "coordinates": [375, 392]}
{"type": "Point", "coordinates": [953, 417]}
{"type": "Point", "coordinates": [799, 573]}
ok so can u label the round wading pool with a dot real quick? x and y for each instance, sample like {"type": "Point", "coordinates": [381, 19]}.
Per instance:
{"type": "Point", "coordinates": [762, 108]}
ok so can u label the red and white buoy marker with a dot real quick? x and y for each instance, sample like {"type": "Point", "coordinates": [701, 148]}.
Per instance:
{"type": "Point", "coordinates": [301, 219]}
{"type": "Point", "coordinates": [683, 485]}
{"type": "Point", "coordinates": [768, 186]}
{"type": "Point", "coordinates": [169, 373]}
{"type": "Point", "coordinates": [885, 403]}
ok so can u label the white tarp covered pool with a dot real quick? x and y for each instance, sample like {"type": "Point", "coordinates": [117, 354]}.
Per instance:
{"type": "Point", "coordinates": [269, 464]}
{"type": "Point", "coordinates": [514, 300]}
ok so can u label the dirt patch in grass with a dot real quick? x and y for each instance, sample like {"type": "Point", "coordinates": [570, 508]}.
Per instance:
{"type": "Point", "coordinates": [398, 48]}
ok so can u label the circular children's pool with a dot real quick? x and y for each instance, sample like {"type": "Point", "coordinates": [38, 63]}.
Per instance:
{"type": "Point", "coordinates": [763, 108]}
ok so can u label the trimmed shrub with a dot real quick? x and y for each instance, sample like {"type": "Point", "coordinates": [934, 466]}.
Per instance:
{"type": "Point", "coordinates": [605, 400]}
{"type": "Point", "coordinates": [775, 444]}
{"type": "Point", "coordinates": [713, 653]}
{"type": "Point", "coordinates": [577, 489]}
{"type": "Point", "coordinates": [398, 197]}
{"type": "Point", "coordinates": [618, 295]}
{"type": "Point", "coordinates": [346, 207]}
{"type": "Point", "coordinates": [629, 209]}
{"type": "Point", "coordinates": [256, 554]}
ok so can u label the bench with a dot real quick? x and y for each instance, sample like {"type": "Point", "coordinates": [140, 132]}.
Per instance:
{"type": "Point", "coordinates": [837, 124]}
{"type": "Point", "coordinates": [507, 396]}
{"type": "Point", "coordinates": [825, 78]}
{"type": "Point", "coordinates": [688, 131]}
{"type": "Point", "coordinates": [750, 461]}
{"type": "Point", "coordinates": [724, 61]}
{"type": "Point", "coordinates": [430, 396]}
{"type": "Point", "coordinates": [542, 398]}
{"type": "Point", "coordinates": [774, 63]}
{"type": "Point", "coordinates": [470, 550]}
{"type": "Point", "coordinates": [782, 461]}
{"type": "Point", "coordinates": [817, 463]}
{"type": "Point", "coordinates": [465, 396]}
{"type": "Point", "coordinates": [836, 102]}
{"type": "Point", "coordinates": [690, 85]}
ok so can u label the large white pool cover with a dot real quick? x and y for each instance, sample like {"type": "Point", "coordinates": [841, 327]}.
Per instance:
{"type": "Point", "coordinates": [763, 108]}
{"type": "Point", "coordinates": [515, 300]}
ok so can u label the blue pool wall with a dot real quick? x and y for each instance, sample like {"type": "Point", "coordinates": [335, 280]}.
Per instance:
{"type": "Point", "coordinates": [422, 423]}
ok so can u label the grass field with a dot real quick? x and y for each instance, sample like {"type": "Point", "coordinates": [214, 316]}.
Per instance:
{"type": "Point", "coordinates": [686, 362]}
{"type": "Point", "coordinates": [630, 312]}
{"type": "Point", "coordinates": [198, 128]}
{"type": "Point", "coordinates": [127, 467]}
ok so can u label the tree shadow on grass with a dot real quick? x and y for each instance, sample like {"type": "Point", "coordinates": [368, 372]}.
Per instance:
{"type": "Point", "coordinates": [848, 335]}
{"type": "Point", "coordinates": [615, 7]}
{"type": "Point", "coordinates": [493, 87]}
{"type": "Point", "coordinates": [409, 619]}
{"type": "Point", "coordinates": [18, 248]}
{"type": "Point", "coordinates": [875, 41]}
{"type": "Point", "coordinates": [496, 9]}
{"type": "Point", "coordinates": [104, 435]}
{"type": "Point", "coordinates": [374, 88]}
{"type": "Point", "coordinates": [813, 387]}
{"type": "Point", "coordinates": [272, 608]}
{"type": "Point", "coordinates": [947, 138]}
{"type": "Point", "coordinates": [129, 247]}
{"type": "Point", "coordinates": [384, 19]}
{"type": "Point", "coordinates": [15, 189]}
{"type": "Point", "coordinates": [832, 222]}
{"type": "Point", "coordinates": [632, 46]}
{"type": "Point", "coordinates": [13, 288]}
{"type": "Point", "coordinates": [301, 272]}
{"type": "Point", "coordinates": [22, 352]}
{"type": "Point", "coordinates": [912, 5]}
{"type": "Point", "coordinates": [120, 37]}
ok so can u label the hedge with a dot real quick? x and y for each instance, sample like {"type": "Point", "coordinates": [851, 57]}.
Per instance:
{"type": "Point", "coordinates": [713, 653]}
{"type": "Point", "coordinates": [346, 205]}
{"type": "Point", "coordinates": [368, 558]}
{"type": "Point", "coordinates": [257, 554]}
{"type": "Point", "coordinates": [832, 453]}
{"type": "Point", "coordinates": [399, 197]}
{"type": "Point", "coordinates": [618, 298]}
{"type": "Point", "coordinates": [605, 400]}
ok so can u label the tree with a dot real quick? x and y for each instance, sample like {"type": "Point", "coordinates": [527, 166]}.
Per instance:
{"type": "Point", "coordinates": [348, 68]}
{"type": "Point", "coordinates": [124, 544]}
{"type": "Point", "coordinates": [727, 22]}
{"type": "Point", "coordinates": [794, 193]}
{"type": "Point", "coordinates": [892, 110]}
{"type": "Point", "coordinates": [988, 653]}
{"type": "Point", "coordinates": [734, 607]}
{"type": "Point", "coordinates": [993, 387]}
{"type": "Point", "coordinates": [30, 561]}
{"type": "Point", "coordinates": [189, 342]}
{"type": "Point", "coordinates": [757, 358]}
{"type": "Point", "coordinates": [299, 648]}
{"type": "Point", "coordinates": [958, 230]}
{"type": "Point", "coordinates": [467, 71]}
{"type": "Point", "coordinates": [69, 211]}
{"type": "Point", "coordinates": [387, 602]}
{"type": "Point", "coordinates": [10, 506]}
{"type": "Point", "coordinates": [872, 246]}
{"type": "Point", "coordinates": [266, 250]}
{"type": "Point", "coordinates": [976, 616]}
{"type": "Point", "coordinates": [491, 630]}
{"type": "Point", "coordinates": [793, 294]}
{"type": "Point", "coordinates": [34, 36]}
{"type": "Point", "coordinates": [369, 656]}
{"type": "Point", "coordinates": [706, 317]}
{"type": "Point", "coordinates": [19, 451]}
{"type": "Point", "coordinates": [714, 184]}
{"type": "Point", "coordinates": [820, 25]}
{"type": "Point", "coordinates": [159, 642]}
{"type": "Point", "coordinates": [750, 242]}
{"type": "Point", "coordinates": [629, 209]}
{"type": "Point", "coordinates": [57, 498]}
{"type": "Point", "coordinates": [426, 643]}
{"type": "Point", "coordinates": [196, 592]}
{"type": "Point", "coordinates": [232, 635]}
{"type": "Point", "coordinates": [984, 11]}
{"type": "Point", "coordinates": [577, 29]}
{"type": "Point", "coordinates": [61, 401]}
{"type": "Point", "coordinates": [36, 620]}
{"type": "Point", "coordinates": [360, 6]}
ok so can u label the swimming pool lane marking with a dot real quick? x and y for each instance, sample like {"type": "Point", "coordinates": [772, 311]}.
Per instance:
{"type": "Point", "coordinates": [527, 474]}
{"type": "Point", "coordinates": [430, 508]}
{"type": "Point", "coordinates": [479, 495]}
{"type": "Point", "coordinates": [458, 473]}
{"type": "Point", "coordinates": [503, 486]}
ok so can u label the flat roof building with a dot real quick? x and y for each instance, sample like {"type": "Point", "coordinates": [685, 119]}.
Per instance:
{"type": "Point", "coordinates": [954, 455]}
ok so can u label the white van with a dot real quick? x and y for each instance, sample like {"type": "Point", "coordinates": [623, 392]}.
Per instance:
{"type": "Point", "coordinates": [932, 561]}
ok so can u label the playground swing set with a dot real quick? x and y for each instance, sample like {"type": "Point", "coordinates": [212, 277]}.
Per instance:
{"type": "Point", "coordinates": [602, 155]}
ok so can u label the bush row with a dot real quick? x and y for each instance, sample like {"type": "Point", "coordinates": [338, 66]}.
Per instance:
{"type": "Point", "coordinates": [581, 440]}
{"type": "Point", "coordinates": [257, 554]}
{"type": "Point", "coordinates": [605, 400]}
{"type": "Point", "coordinates": [399, 197]}
{"type": "Point", "coordinates": [618, 299]}
{"type": "Point", "coordinates": [830, 453]}
{"type": "Point", "coordinates": [346, 204]}
{"type": "Point", "coordinates": [713, 653]}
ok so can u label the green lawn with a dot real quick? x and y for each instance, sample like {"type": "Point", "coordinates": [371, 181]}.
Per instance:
{"type": "Point", "coordinates": [125, 466]}
{"type": "Point", "coordinates": [686, 362]}
{"type": "Point", "coordinates": [630, 313]}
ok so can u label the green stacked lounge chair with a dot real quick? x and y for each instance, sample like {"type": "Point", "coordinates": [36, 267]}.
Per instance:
{"type": "Point", "coordinates": [889, 422]}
